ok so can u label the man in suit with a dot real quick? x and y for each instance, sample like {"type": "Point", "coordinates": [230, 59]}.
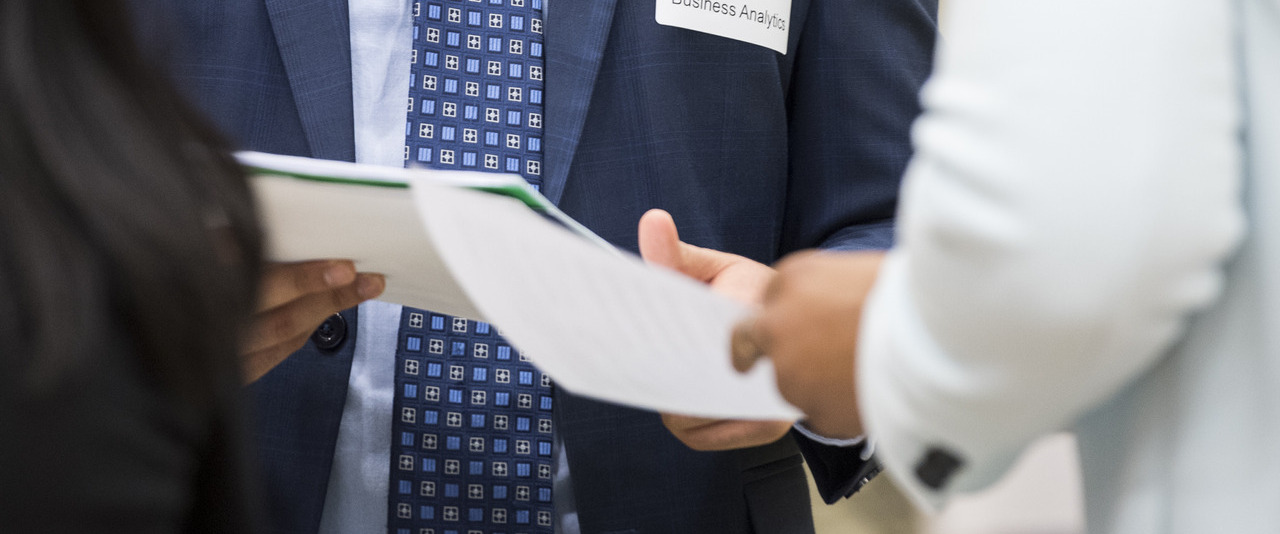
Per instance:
{"type": "Point", "coordinates": [755, 152]}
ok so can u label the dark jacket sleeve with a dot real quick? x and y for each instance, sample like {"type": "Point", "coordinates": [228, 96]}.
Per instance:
{"type": "Point", "coordinates": [838, 472]}
{"type": "Point", "coordinates": [859, 66]}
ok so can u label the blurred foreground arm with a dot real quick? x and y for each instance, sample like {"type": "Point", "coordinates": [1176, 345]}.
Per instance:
{"type": "Point", "coordinates": [809, 330]}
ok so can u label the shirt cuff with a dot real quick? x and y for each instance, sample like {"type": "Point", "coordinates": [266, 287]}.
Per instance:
{"type": "Point", "coordinates": [837, 442]}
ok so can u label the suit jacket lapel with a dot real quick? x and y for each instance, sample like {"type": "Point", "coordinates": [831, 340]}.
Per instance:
{"type": "Point", "coordinates": [315, 47]}
{"type": "Point", "coordinates": [576, 32]}
{"type": "Point", "coordinates": [315, 44]}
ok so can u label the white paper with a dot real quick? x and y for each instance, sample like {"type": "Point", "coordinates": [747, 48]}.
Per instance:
{"type": "Point", "coordinates": [603, 325]}
{"type": "Point", "coordinates": [760, 22]}
{"type": "Point", "coordinates": [377, 227]}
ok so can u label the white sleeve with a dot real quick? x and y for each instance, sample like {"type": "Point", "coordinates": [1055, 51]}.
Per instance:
{"type": "Point", "coordinates": [1074, 191]}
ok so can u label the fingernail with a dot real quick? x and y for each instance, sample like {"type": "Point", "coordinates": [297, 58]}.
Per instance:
{"type": "Point", "coordinates": [339, 274]}
{"type": "Point", "coordinates": [744, 360]}
{"type": "Point", "coordinates": [743, 348]}
{"type": "Point", "coordinates": [370, 286]}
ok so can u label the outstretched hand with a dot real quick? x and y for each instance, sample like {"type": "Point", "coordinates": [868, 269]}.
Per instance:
{"type": "Point", "coordinates": [734, 276]}
{"type": "Point", "coordinates": [731, 275]}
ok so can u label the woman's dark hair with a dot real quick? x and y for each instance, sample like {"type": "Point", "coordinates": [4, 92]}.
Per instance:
{"type": "Point", "coordinates": [122, 216]}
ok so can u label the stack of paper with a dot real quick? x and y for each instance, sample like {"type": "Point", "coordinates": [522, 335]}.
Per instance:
{"type": "Point", "coordinates": [600, 322]}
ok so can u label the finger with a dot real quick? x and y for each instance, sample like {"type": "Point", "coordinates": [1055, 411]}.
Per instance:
{"type": "Point", "coordinates": [258, 363]}
{"type": "Point", "coordinates": [283, 282]}
{"type": "Point", "coordinates": [744, 345]}
{"type": "Point", "coordinates": [370, 286]}
{"type": "Point", "coordinates": [659, 239]}
{"type": "Point", "coordinates": [660, 245]}
{"type": "Point", "coordinates": [724, 434]}
{"type": "Point", "coordinates": [679, 423]}
{"type": "Point", "coordinates": [772, 289]}
{"type": "Point", "coordinates": [303, 315]}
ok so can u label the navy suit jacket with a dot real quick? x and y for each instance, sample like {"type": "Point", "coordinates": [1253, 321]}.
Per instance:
{"type": "Point", "coordinates": [752, 152]}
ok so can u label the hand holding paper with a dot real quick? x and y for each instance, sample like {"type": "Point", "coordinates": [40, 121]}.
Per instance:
{"type": "Point", "coordinates": [294, 299]}
{"type": "Point", "coordinates": [733, 276]}
{"type": "Point", "coordinates": [601, 324]}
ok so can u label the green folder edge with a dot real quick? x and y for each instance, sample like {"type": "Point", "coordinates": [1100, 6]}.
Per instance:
{"type": "Point", "coordinates": [525, 195]}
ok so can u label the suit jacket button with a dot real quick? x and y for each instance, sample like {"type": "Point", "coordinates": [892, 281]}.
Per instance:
{"type": "Point", "coordinates": [331, 334]}
{"type": "Point", "coordinates": [937, 466]}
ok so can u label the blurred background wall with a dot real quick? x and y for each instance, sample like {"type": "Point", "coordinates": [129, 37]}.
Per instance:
{"type": "Point", "coordinates": [1040, 495]}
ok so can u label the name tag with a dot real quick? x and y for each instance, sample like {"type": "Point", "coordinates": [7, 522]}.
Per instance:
{"type": "Point", "coordinates": [760, 22]}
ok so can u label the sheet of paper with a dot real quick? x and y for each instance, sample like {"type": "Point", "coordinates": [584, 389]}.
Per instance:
{"type": "Point", "coordinates": [378, 227]}
{"type": "Point", "coordinates": [602, 324]}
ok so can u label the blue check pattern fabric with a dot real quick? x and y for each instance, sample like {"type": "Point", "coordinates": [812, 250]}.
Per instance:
{"type": "Point", "coordinates": [475, 101]}
{"type": "Point", "coordinates": [471, 449]}
{"type": "Point", "coordinates": [473, 432]}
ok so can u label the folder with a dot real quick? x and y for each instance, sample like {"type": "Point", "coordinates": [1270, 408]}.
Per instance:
{"type": "Point", "coordinates": [489, 247]}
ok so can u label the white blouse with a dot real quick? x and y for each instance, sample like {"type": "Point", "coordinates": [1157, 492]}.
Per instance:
{"type": "Point", "coordinates": [1070, 256]}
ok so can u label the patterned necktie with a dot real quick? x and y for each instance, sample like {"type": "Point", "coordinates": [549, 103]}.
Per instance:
{"type": "Point", "coordinates": [471, 435]}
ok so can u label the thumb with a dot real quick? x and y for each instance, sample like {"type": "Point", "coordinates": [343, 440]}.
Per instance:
{"type": "Point", "coordinates": [659, 240]}
{"type": "Point", "coordinates": [660, 245]}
